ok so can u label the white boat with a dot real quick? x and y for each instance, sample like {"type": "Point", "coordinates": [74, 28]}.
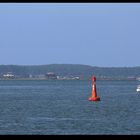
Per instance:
{"type": "Point", "coordinates": [138, 88]}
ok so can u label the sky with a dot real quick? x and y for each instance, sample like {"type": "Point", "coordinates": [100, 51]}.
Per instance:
{"type": "Point", "coordinates": [95, 34]}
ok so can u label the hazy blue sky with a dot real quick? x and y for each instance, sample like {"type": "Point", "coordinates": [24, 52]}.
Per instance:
{"type": "Point", "coordinates": [97, 34]}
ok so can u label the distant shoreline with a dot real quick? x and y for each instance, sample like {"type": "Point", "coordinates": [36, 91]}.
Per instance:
{"type": "Point", "coordinates": [67, 72]}
{"type": "Point", "coordinates": [43, 79]}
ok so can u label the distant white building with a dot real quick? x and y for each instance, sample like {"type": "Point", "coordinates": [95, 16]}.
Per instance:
{"type": "Point", "coordinates": [30, 76]}
{"type": "Point", "coordinates": [8, 75]}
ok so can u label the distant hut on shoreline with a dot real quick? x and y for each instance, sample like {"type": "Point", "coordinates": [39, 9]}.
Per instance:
{"type": "Point", "coordinates": [51, 75]}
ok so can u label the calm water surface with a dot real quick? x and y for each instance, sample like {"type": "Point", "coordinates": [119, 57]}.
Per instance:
{"type": "Point", "coordinates": [62, 107]}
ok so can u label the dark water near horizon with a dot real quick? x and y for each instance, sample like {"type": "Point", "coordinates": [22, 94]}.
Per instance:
{"type": "Point", "coordinates": [62, 107]}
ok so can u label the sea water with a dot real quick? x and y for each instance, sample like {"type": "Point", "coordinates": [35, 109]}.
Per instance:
{"type": "Point", "coordinates": [55, 107]}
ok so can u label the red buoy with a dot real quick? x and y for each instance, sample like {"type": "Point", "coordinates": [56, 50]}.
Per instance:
{"type": "Point", "coordinates": [94, 96]}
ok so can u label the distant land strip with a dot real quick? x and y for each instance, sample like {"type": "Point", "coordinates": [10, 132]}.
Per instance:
{"type": "Point", "coordinates": [67, 72]}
